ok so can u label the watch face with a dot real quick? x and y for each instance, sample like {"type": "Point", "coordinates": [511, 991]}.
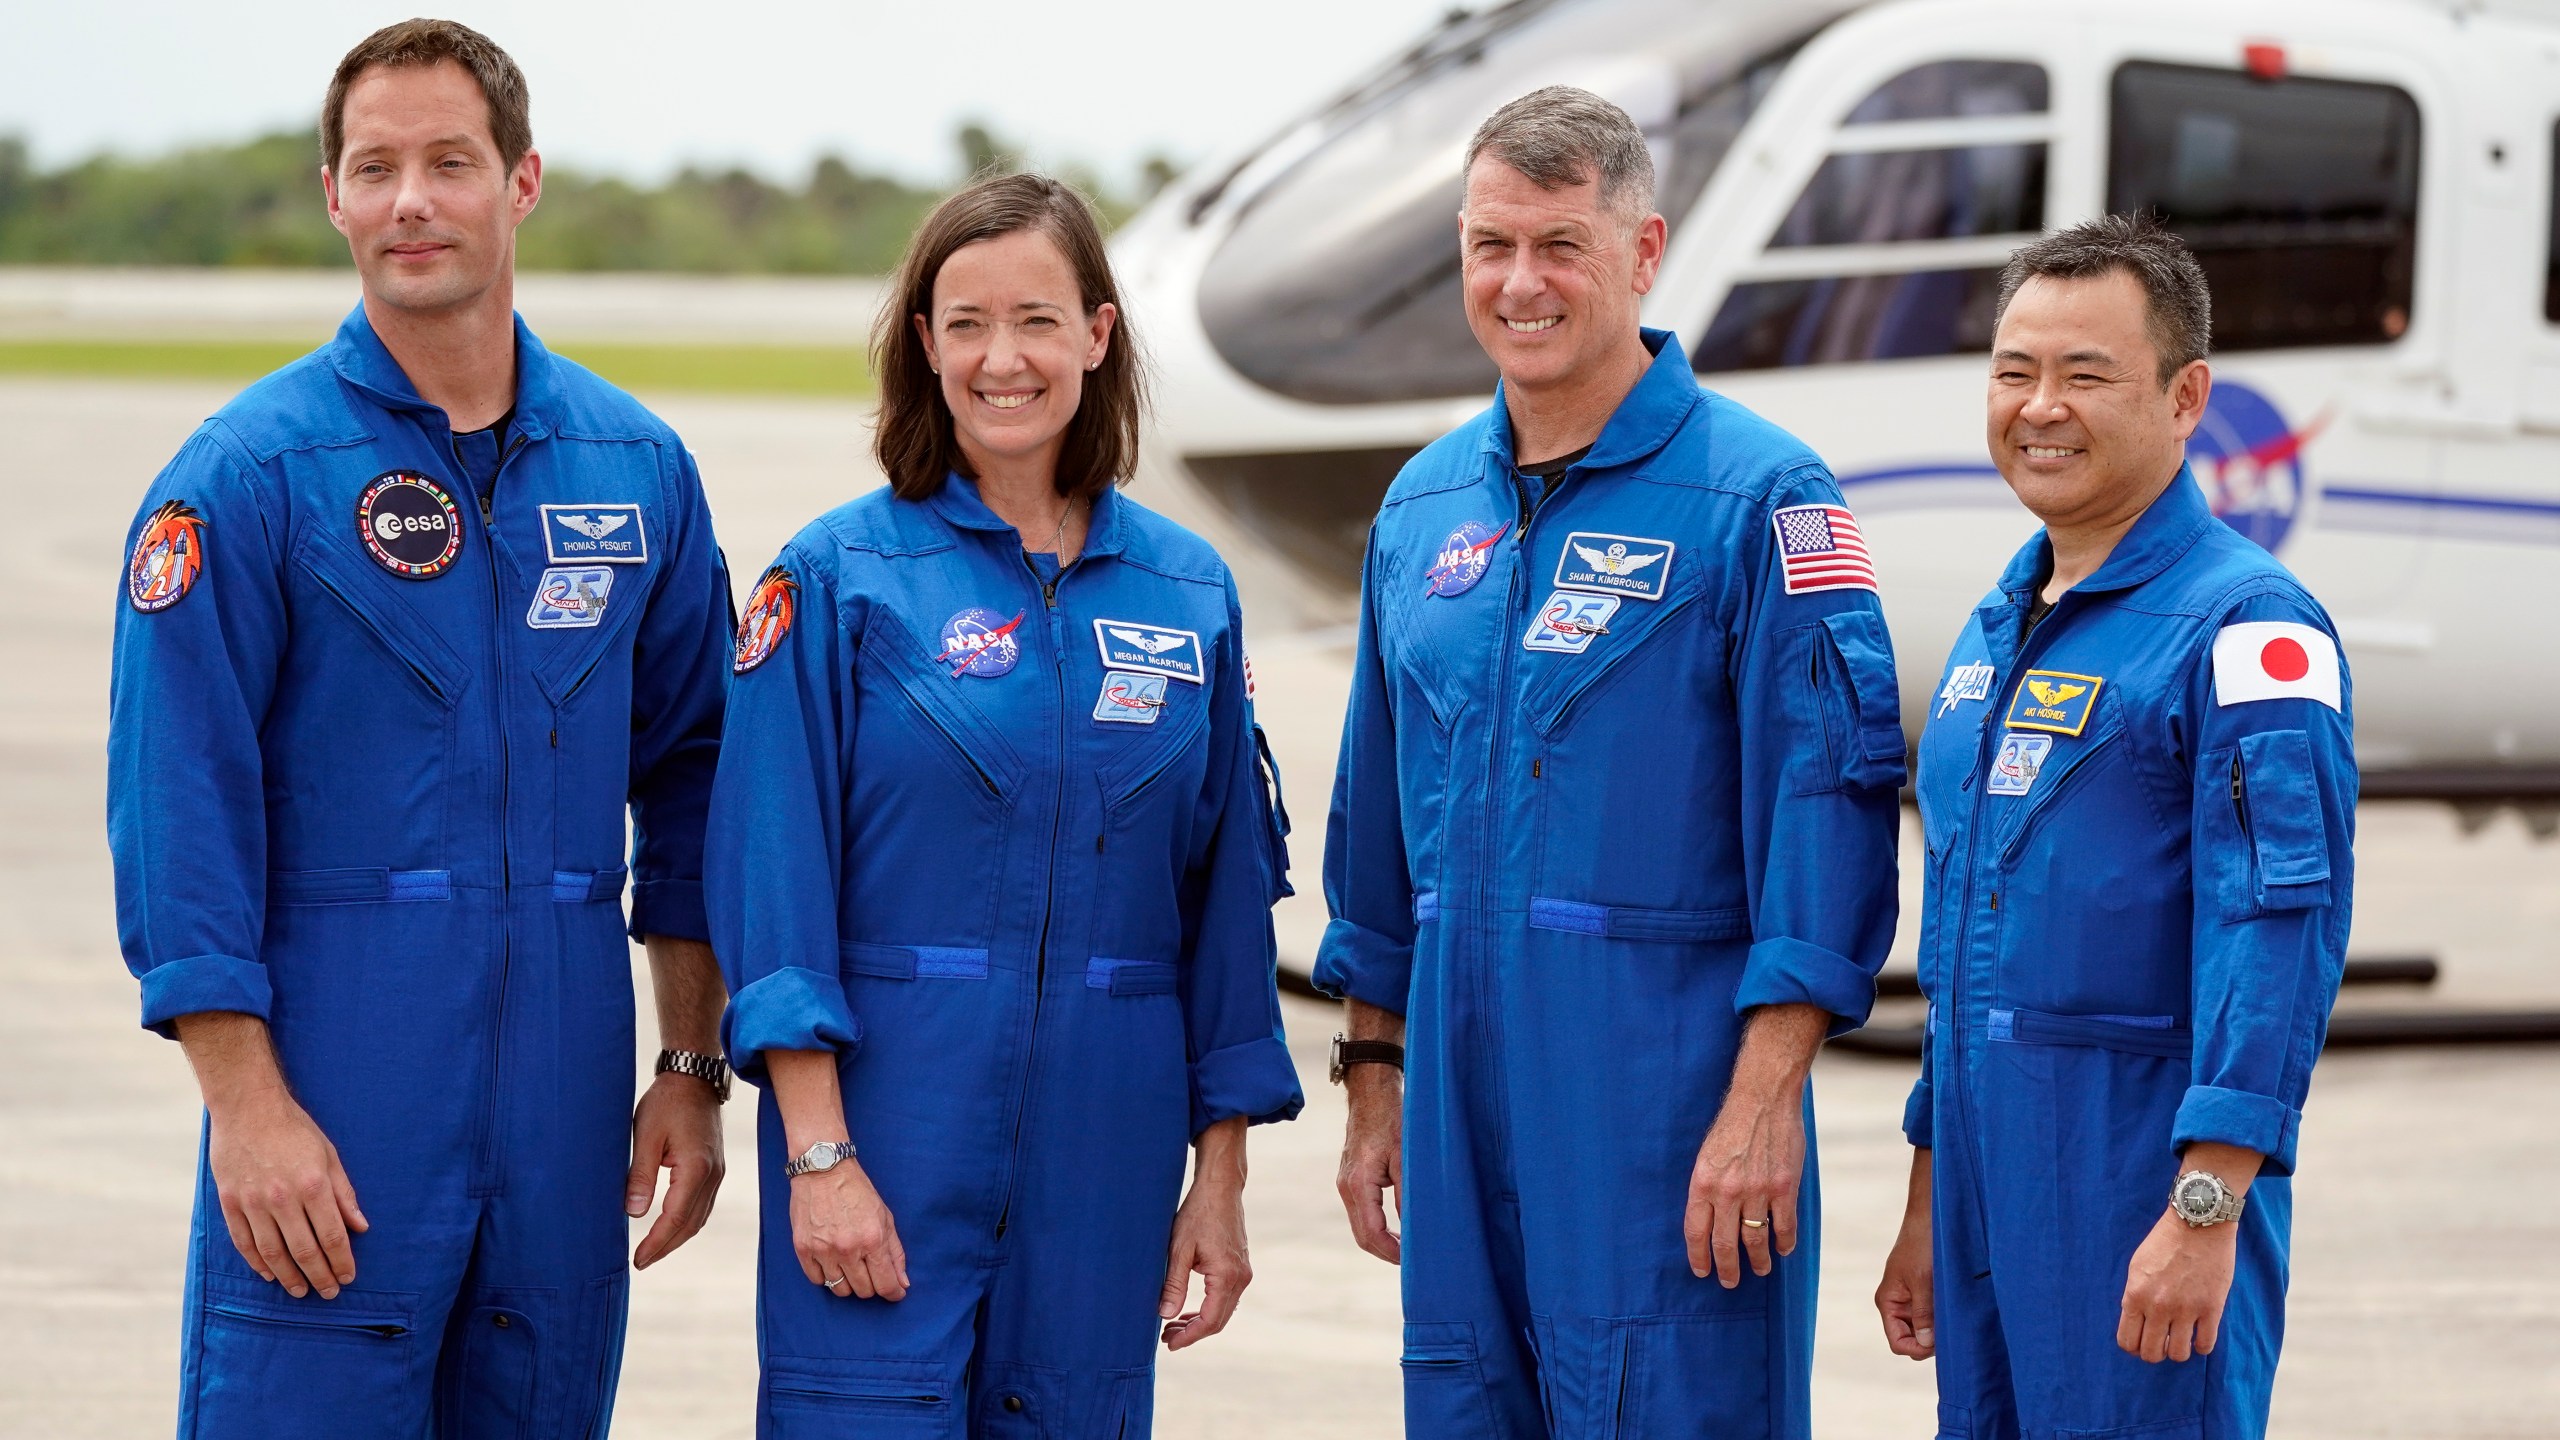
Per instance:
{"type": "Point", "coordinates": [820, 1156]}
{"type": "Point", "coordinates": [2198, 1196]}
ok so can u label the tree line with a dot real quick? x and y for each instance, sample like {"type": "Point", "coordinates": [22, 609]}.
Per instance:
{"type": "Point", "coordinates": [258, 203]}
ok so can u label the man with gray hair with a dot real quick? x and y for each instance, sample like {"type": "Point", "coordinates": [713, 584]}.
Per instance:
{"type": "Point", "coordinates": [2137, 788]}
{"type": "Point", "coordinates": [1612, 844]}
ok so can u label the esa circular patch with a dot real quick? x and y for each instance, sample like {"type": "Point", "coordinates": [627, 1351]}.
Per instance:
{"type": "Point", "coordinates": [409, 525]}
{"type": "Point", "coordinates": [770, 607]}
{"type": "Point", "coordinates": [167, 557]}
{"type": "Point", "coordinates": [1462, 559]}
{"type": "Point", "coordinates": [981, 643]}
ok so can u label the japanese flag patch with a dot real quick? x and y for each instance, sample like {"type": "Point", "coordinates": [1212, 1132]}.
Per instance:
{"type": "Point", "coordinates": [2274, 660]}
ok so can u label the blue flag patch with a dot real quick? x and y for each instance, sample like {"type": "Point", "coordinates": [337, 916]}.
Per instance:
{"type": "Point", "coordinates": [594, 535]}
{"type": "Point", "coordinates": [1150, 650]}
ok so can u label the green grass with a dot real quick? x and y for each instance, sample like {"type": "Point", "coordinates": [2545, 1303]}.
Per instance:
{"type": "Point", "coordinates": [833, 371]}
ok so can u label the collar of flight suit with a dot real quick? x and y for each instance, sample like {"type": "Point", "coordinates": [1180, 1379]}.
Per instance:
{"type": "Point", "coordinates": [959, 504]}
{"type": "Point", "coordinates": [361, 359]}
{"type": "Point", "coordinates": [2165, 531]}
{"type": "Point", "coordinates": [1643, 422]}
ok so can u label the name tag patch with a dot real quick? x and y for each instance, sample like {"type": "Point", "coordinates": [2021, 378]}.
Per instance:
{"type": "Point", "coordinates": [1149, 649]}
{"type": "Point", "coordinates": [570, 597]}
{"type": "Point", "coordinates": [1965, 682]}
{"type": "Point", "coordinates": [1628, 565]}
{"type": "Point", "coordinates": [1568, 623]}
{"type": "Point", "coordinates": [594, 535]}
{"type": "Point", "coordinates": [2021, 759]}
{"type": "Point", "coordinates": [2056, 701]}
{"type": "Point", "coordinates": [1129, 699]}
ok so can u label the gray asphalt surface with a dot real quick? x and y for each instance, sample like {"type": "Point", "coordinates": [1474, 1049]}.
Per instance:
{"type": "Point", "coordinates": [2426, 1292]}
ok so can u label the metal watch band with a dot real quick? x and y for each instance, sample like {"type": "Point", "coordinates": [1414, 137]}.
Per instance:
{"type": "Point", "coordinates": [1348, 1052]}
{"type": "Point", "coordinates": [709, 1069]}
{"type": "Point", "coordinates": [2227, 1202]}
{"type": "Point", "coordinates": [836, 1152]}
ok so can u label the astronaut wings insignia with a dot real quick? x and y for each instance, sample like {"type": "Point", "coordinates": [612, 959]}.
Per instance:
{"type": "Point", "coordinates": [2054, 692]}
{"type": "Point", "coordinates": [595, 527]}
{"type": "Point", "coordinates": [1152, 643]}
{"type": "Point", "coordinates": [1615, 560]}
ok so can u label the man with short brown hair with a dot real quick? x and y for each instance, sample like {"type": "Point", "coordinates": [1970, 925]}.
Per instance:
{"type": "Point", "coordinates": [409, 628]}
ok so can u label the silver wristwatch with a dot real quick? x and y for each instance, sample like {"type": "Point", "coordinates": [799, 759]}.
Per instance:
{"type": "Point", "coordinates": [825, 1155]}
{"type": "Point", "coordinates": [2201, 1199]}
{"type": "Point", "coordinates": [711, 1070]}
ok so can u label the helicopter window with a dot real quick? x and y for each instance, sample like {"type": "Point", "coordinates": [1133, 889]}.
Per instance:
{"type": "Point", "coordinates": [1771, 324]}
{"type": "Point", "coordinates": [2299, 196]}
{"type": "Point", "coordinates": [2551, 255]}
{"type": "Point", "coordinates": [1951, 89]}
{"type": "Point", "coordinates": [1338, 282]}
{"type": "Point", "coordinates": [1870, 197]}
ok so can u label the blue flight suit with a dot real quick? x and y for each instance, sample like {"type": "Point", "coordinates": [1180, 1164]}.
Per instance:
{"type": "Point", "coordinates": [370, 756]}
{"type": "Point", "coordinates": [1606, 785]}
{"type": "Point", "coordinates": [997, 838]}
{"type": "Point", "coordinates": [2135, 922]}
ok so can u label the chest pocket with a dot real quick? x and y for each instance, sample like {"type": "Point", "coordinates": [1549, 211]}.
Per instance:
{"type": "Point", "coordinates": [953, 726]}
{"type": "Point", "coordinates": [2073, 766]}
{"type": "Point", "coordinates": [1556, 695]}
{"type": "Point", "coordinates": [390, 623]}
{"type": "Point", "coordinates": [1166, 756]}
{"type": "Point", "coordinates": [572, 657]}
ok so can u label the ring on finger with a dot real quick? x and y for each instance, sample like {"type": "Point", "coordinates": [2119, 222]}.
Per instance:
{"type": "Point", "coordinates": [1756, 1224]}
{"type": "Point", "coordinates": [837, 1282]}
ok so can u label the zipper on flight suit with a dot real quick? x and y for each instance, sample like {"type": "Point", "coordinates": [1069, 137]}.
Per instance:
{"type": "Point", "coordinates": [1048, 891]}
{"type": "Point", "coordinates": [485, 1153]}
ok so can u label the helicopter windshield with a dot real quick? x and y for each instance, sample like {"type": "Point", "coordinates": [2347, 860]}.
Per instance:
{"type": "Point", "coordinates": [1339, 282]}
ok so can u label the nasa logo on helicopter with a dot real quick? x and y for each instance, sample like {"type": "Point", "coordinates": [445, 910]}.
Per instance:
{"type": "Point", "coordinates": [2249, 461]}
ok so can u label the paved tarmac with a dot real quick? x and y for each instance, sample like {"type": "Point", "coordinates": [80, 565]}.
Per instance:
{"type": "Point", "coordinates": [2426, 1295]}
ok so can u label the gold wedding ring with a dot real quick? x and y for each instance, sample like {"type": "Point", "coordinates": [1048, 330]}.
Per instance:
{"type": "Point", "coordinates": [1755, 1224]}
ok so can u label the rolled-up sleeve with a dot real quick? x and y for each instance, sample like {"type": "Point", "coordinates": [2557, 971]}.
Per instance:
{"type": "Point", "coordinates": [191, 682]}
{"type": "Point", "coordinates": [1367, 953]}
{"type": "Point", "coordinates": [2274, 870]}
{"type": "Point", "coordinates": [1822, 771]}
{"type": "Point", "coordinates": [680, 672]}
{"type": "Point", "coordinates": [776, 833]}
{"type": "Point", "coordinates": [1240, 1062]}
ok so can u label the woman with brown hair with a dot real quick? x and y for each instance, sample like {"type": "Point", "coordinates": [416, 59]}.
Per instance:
{"type": "Point", "coordinates": [990, 871]}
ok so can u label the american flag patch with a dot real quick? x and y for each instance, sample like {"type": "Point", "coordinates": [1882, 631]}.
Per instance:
{"type": "Point", "coordinates": [1822, 549]}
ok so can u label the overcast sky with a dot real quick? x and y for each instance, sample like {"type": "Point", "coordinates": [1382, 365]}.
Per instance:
{"type": "Point", "coordinates": [641, 86]}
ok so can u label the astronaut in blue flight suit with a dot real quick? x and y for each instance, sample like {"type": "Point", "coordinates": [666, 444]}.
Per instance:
{"type": "Point", "coordinates": [1612, 844]}
{"type": "Point", "coordinates": [992, 877]}
{"type": "Point", "coordinates": [2137, 790]}
{"type": "Point", "coordinates": [388, 679]}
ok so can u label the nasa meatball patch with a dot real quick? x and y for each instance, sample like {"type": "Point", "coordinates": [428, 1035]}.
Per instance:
{"type": "Point", "coordinates": [409, 525]}
{"type": "Point", "coordinates": [2274, 660]}
{"type": "Point", "coordinates": [167, 557]}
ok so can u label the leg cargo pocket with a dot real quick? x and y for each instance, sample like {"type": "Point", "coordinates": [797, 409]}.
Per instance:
{"type": "Point", "coordinates": [276, 1368]}
{"type": "Point", "coordinates": [1444, 1386]}
{"type": "Point", "coordinates": [1696, 1375]}
{"type": "Point", "coordinates": [493, 1364]}
{"type": "Point", "coordinates": [805, 1399]}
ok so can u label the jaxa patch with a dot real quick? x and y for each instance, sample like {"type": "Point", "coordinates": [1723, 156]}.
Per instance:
{"type": "Point", "coordinates": [570, 597]}
{"type": "Point", "coordinates": [168, 556]}
{"type": "Point", "coordinates": [1463, 558]}
{"type": "Point", "coordinates": [409, 525]}
{"type": "Point", "coordinates": [770, 608]}
{"type": "Point", "coordinates": [594, 535]}
{"type": "Point", "coordinates": [1130, 699]}
{"type": "Point", "coordinates": [1151, 649]}
{"type": "Point", "coordinates": [1965, 682]}
{"type": "Point", "coordinates": [976, 642]}
{"type": "Point", "coordinates": [2052, 700]}
{"type": "Point", "coordinates": [2020, 761]}
{"type": "Point", "coordinates": [1568, 623]}
{"type": "Point", "coordinates": [1628, 565]}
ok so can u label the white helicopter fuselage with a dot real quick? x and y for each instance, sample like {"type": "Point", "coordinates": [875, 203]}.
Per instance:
{"type": "Point", "coordinates": [2370, 182]}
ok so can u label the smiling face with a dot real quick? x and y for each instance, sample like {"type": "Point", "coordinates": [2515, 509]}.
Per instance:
{"type": "Point", "coordinates": [428, 206]}
{"type": "Point", "coordinates": [2079, 423]}
{"type": "Point", "coordinates": [1012, 340]}
{"type": "Point", "coordinates": [1553, 279]}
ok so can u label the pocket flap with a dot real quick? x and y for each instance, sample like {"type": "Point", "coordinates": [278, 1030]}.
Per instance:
{"type": "Point", "coordinates": [387, 1313]}
{"type": "Point", "coordinates": [357, 885]}
{"type": "Point", "coordinates": [1439, 1342]}
{"type": "Point", "coordinates": [912, 962]}
{"type": "Point", "coordinates": [919, 1381]}
{"type": "Point", "coordinates": [388, 616]}
{"type": "Point", "coordinates": [1637, 922]}
{"type": "Point", "coordinates": [2136, 1034]}
{"type": "Point", "coordinates": [2286, 826]}
{"type": "Point", "coordinates": [1129, 977]}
